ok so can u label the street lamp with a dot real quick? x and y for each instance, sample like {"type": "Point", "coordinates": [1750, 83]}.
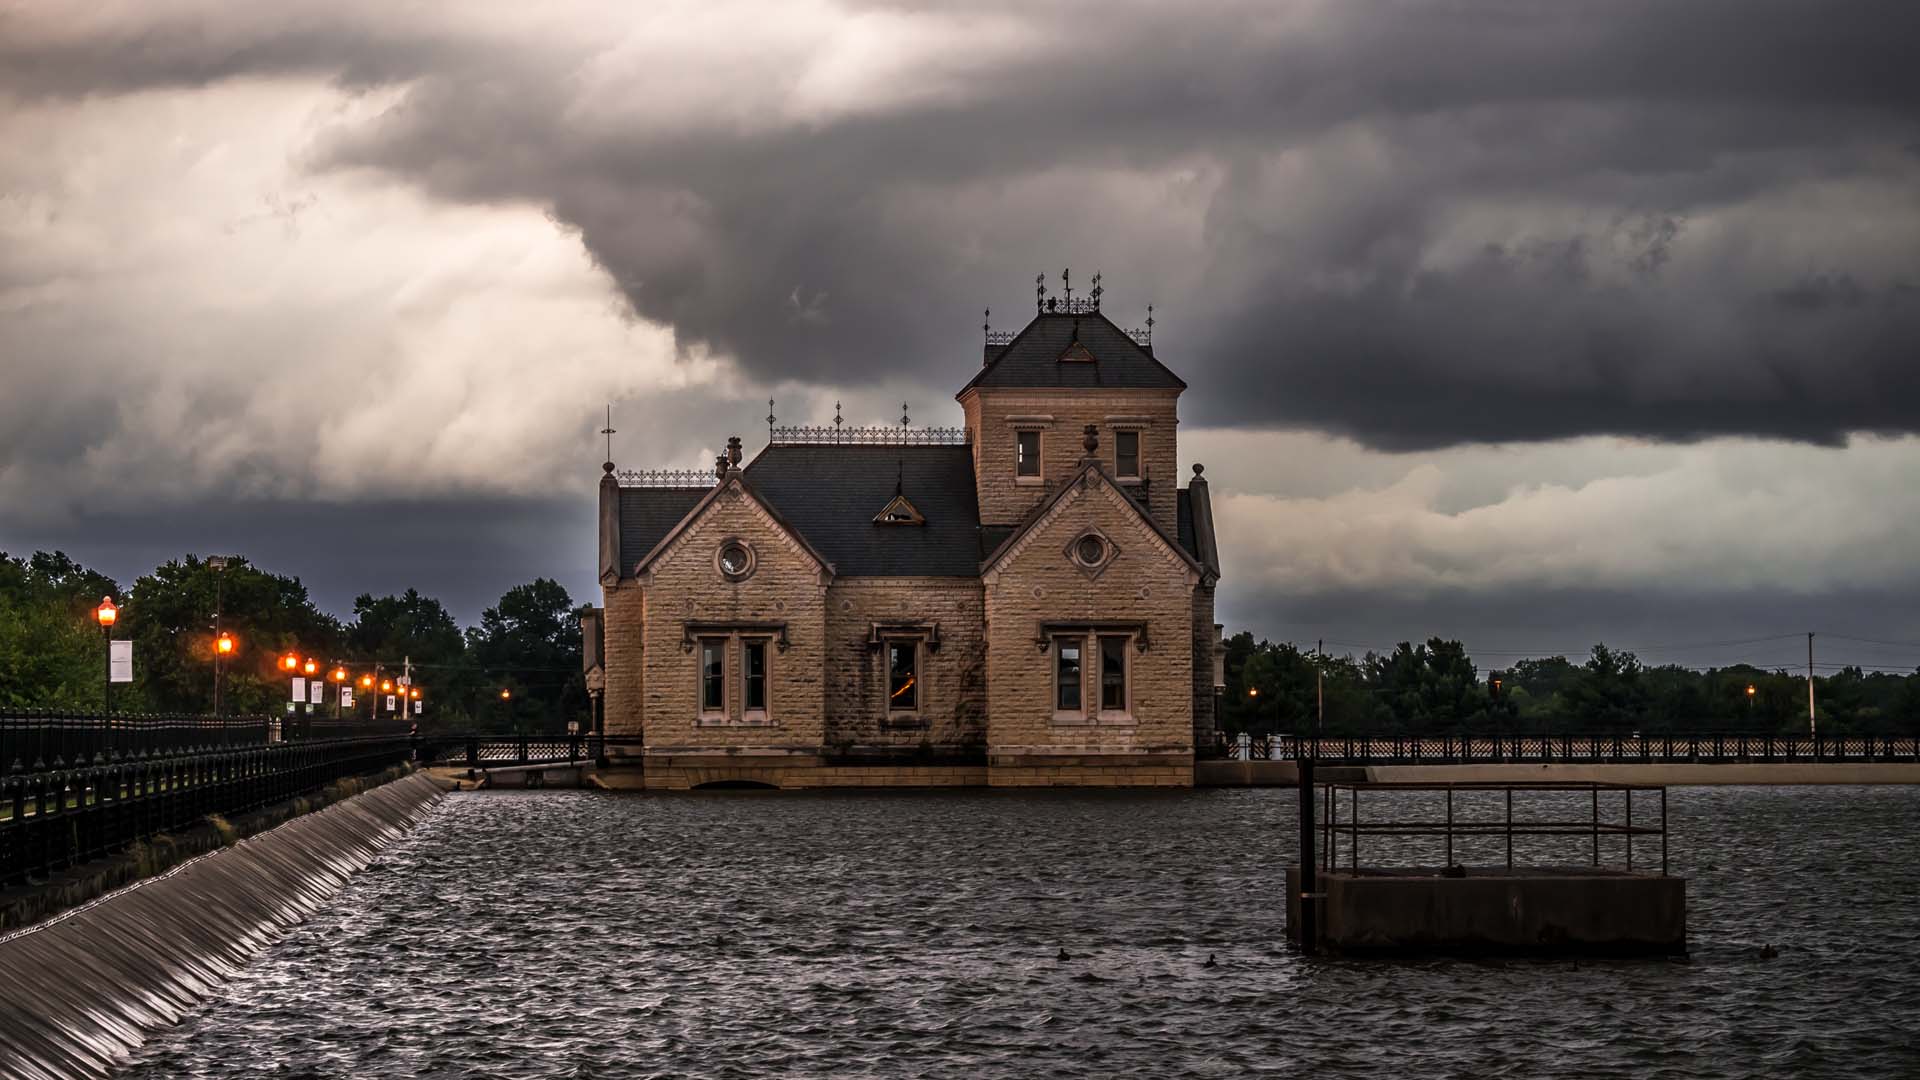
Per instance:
{"type": "Point", "coordinates": [506, 700]}
{"type": "Point", "coordinates": [222, 648]}
{"type": "Point", "coordinates": [289, 663]}
{"type": "Point", "coordinates": [339, 677]}
{"type": "Point", "coordinates": [1750, 691]}
{"type": "Point", "coordinates": [106, 613]}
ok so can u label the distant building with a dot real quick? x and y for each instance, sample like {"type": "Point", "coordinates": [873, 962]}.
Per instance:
{"type": "Point", "coordinates": [1025, 601]}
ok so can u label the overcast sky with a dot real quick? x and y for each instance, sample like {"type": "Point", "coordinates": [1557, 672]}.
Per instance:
{"type": "Point", "coordinates": [1526, 322]}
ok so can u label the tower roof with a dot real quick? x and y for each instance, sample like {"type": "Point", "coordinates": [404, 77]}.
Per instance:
{"type": "Point", "coordinates": [1077, 349]}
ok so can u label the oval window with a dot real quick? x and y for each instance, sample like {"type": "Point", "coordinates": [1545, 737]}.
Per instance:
{"type": "Point", "coordinates": [735, 559]}
{"type": "Point", "coordinates": [1091, 551]}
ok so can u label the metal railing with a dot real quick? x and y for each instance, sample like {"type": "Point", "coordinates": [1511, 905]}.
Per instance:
{"type": "Point", "coordinates": [35, 741]}
{"type": "Point", "coordinates": [476, 751]}
{"type": "Point", "coordinates": [666, 478]}
{"type": "Point", "coordinates": [838, 435]}
{"type": "Point", "coordinates": [75, 787]}
{"type": "Point", "coordinates": [1707, 748]}
{"type": "Point", "coordinates": [1449, 826]}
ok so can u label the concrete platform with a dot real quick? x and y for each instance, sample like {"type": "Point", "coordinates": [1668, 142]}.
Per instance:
{"type": "Point", "coordinates": [1493, 911]}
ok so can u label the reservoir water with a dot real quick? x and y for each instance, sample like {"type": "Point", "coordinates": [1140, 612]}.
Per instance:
{"type": "Point", "coordinates": [581, 934]}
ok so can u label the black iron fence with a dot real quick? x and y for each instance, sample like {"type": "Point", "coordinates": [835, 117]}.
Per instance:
{"type": "Point", "coordinates": [76, 787]}
{"type": "Point", "coordinates": [477, 751]}
{"type": "Point", "coordinates": [1579, 749]}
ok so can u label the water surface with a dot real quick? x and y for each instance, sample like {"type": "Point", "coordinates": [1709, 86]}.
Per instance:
{"type": "Point", "coordinates": [581, 934]}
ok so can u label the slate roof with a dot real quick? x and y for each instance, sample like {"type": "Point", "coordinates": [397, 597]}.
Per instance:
{"type": "Point", "coordinates": [830, 494]}
{"type": "Point", "coordinates": [647, 515]}
{"type": "Point", "coordinates": [1032, 359]}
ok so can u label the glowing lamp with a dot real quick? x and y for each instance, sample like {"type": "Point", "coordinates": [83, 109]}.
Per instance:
{"type": "Point", "coordinates": [339, 674]}
{"type": "Point", "coordinates": [289, 662]}
{"type": "Point", "coordinates": [224, 644]}
{"type": "Point", "coordinates": [106, 612]}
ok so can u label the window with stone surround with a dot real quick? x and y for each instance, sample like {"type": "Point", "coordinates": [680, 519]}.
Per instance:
{"type": "Point", "coordinates": [903, 675]}
{"type": "Point", "coordinates": [753, 675]}
{"type": "Point", "coordinates": [1026, 454]}
{"type": "Point", "coordinates": [1113, 674]}
{"type": "Point", "coordinates": [713, 676]}
{"type": "Point", "coordinates": [1126, 455]}
{"type": "Point", "coordinates": [1067, 669]}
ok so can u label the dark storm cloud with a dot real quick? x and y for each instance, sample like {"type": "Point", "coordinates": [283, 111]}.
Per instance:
{"type": "Point", "coordinates": [1342, 148]}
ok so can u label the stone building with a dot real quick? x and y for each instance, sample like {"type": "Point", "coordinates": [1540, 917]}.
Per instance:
{"type": "Point", "coordinates": [1027, 600]}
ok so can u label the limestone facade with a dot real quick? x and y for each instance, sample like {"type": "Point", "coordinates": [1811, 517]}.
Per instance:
{"type": "Point", "coordinates": [880, 613]}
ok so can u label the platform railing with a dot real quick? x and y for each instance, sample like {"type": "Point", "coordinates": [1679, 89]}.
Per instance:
{"type": "Point", "coordinates": [1706, 748]}
{"type": "Point", "coordinates": [1447, 822]}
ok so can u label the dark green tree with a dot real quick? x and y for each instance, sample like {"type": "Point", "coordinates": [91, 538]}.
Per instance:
{"type": "Point", "coordinates": [529, 644]}
{"type": "Point", "coordinates": [170, 617]}
{"type": "Point", "coordinates": [52, 655]}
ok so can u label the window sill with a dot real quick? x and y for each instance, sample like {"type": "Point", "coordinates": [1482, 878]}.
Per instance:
{"type": "Point", "coordinates": [754, 720]}
{"type": "Point", "coordinates": [1130, 481]}
{"type": "Point", "coordinates": [906, 722]}
{"type": "Point", "coordinates": [1107, 719]}
{"type": "Point", "coordinates": [1029, 481]}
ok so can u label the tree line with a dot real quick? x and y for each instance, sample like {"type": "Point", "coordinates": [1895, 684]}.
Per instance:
{"type": "Point", "coordinates": [1434, 688]}
{"type": "Point", "coordinates": [52, 653]}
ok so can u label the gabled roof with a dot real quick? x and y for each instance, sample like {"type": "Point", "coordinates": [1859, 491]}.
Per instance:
{"type": "Point", "coordinates": [647, 515]}
{"type": "Point", "coordinates": [829, 494]}
{"type": "Point", "coordinates": [707, 496]}
{"type": "Point", "coordinates": [1046, 355]}
{"type": "Point", "coordinates": [1041, 512]}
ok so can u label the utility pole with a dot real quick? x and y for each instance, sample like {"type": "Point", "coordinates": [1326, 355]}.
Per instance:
{"type": "Point", "coordinates": [1812, 731]}
{"type": "Point", "coordinates": [1319, 691]}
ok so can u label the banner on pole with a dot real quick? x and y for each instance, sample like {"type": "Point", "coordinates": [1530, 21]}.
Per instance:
{"type": "Point", "coordinates": [346, 697]}
{"type": "Point", "coordinates": [416, 708]}
{"type": "Point", "coordinates": [317, 691]}
{"type": "Point", "coordinates": [120, 661]}
{"type": "Point", "coordinates": [389, 702]}
{"type": "Point", "coordinates": [299, 689]}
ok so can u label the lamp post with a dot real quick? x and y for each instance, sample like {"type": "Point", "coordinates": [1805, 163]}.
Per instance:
{"type": "Point", "coordinates": [339, 677]}
{"type": "Point", "coordinates": [222, 648]}
{"type": "Point", "coordinates": [106, 613]}
{"type": "Point", "coordinates": [1750, 691]}
{"type": "Point", "coordinates": [506, 701]}
{"type": "Point", "coordinates": [366, 688]}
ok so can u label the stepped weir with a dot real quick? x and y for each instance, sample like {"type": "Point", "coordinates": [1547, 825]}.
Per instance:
{"type": "Point", "coordinates": [85, 988]}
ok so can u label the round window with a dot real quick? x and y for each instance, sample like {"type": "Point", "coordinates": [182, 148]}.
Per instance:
{"type": "Point", "coordinates": [735, 559]}
{"type": "Point", "coordinates": [1091, 550]}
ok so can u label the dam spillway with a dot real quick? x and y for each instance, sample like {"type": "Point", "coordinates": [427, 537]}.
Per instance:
{"type": "Point", "coordinates": [86, 987]}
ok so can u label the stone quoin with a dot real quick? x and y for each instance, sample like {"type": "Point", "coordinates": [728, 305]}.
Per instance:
{"type": "Point", "coordinates": [1025, 601]}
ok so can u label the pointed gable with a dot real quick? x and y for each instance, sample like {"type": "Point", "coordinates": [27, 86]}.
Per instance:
{"type": "Point", "coordinates": [899, 511]}
{"type": "Point", "coordinates": [1084, 483]}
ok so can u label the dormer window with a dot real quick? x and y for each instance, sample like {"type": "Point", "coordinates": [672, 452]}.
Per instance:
{"type": "Point", "coordinates": [1026, 453]}
{"type": "Point", "coordinates": [899, 512]}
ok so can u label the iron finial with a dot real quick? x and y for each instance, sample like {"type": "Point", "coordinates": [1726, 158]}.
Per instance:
{"type": "Point", "coordinates": [837, 418]}
{"type": "Point", "coordinates": [1040, 292]}
{"type": "Point", "coordinates": [608, 432]}
{"type": "Point", "coordinates": [986, 324]}
{"type": "Point", "coordinates": [769, 419]}
{"type": "Point", "coordinates": [904, 418]}
{"type": "Point", "coordinates": [1149, 324]}
{"type": "Point", "coordinates": [1097, 290]}
{"type": "Point", "coordinates": [1066, 284]}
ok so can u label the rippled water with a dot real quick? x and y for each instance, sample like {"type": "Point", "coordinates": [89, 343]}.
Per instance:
{"type": "Point", "coordinates": [580, 934]}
